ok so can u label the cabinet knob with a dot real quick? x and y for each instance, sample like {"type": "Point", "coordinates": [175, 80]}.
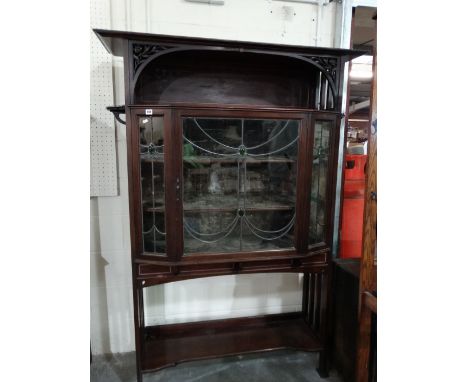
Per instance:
{"type": "Point", "coordinates": [236, 267]}
{"type": "Point", "coordinates": [296, 263]}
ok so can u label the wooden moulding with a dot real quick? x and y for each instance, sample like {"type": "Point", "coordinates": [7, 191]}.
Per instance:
{"type": "Point", "coordinates": [160, 273]}
{"type": "Point", "coordinates": [169, 345]}
{"type": "Point", "coordinates": [319, 255]}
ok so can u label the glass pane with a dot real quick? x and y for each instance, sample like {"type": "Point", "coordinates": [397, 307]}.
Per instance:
{"type": "Point", "coordinates": [152, 183]}
{"type": "Point", "coordinates": [321, 158]}
{"type": "Point", "coordinates": [239, 184]}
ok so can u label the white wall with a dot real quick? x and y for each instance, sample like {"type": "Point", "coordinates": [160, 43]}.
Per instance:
{"type": "Point", "coordinates": [210, 298]}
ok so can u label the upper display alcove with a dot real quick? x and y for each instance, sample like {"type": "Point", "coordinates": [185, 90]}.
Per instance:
{"type": "Point", "coordinates": [220, 77]}
{"type": "Point", "coordinates": [164, 70]}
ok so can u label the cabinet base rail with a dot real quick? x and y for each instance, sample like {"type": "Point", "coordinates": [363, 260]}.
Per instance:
{"type": "Point", "coordinates": [169, 345]}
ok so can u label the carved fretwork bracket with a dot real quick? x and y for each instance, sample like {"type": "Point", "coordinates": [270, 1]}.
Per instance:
{"type": "Point", "coordinates": [328, 64]}
{"type": "Point", "coordinates": [142, 52]}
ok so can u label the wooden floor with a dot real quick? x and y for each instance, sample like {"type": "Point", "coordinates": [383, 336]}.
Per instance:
{"type": "Point", "coordinates": [172, 344]}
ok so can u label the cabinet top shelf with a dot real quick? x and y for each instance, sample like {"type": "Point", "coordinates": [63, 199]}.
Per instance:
{"type": "Point", "coordinates": [114, 42]}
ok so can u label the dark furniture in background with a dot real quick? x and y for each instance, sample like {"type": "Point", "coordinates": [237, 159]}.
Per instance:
{"type": "Point", "coordinates": [232, 158]}
{"type": "Point", "coordinates": [345, 316]}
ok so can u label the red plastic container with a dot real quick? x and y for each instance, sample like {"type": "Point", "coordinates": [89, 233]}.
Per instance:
{"type": "Point", "coordinates": [353, 206]}
{"type": "Point", "coordinates": [355, 166]}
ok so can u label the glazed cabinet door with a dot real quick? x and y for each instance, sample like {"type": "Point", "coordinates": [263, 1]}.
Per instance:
{"type": "Point", "coordinates": [209, 182]}
{"type": "Point", "coordinates": [151, 152]}
{"type": "Point", "coordinates": [323, 141]}
{"type": "Point", "coordinates": [240, 180]}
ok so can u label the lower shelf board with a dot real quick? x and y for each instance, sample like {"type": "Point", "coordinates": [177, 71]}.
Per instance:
{"type": "Point", "coordinates": [169, 345]}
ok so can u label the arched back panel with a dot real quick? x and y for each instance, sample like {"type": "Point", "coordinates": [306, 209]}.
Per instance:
{"type": "Point", "coordinates": [211, 76]}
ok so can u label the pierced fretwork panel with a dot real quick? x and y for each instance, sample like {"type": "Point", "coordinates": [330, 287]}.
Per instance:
{"type": "Point", "coordinates": [239, 184]}
{"type": "Point", "coordinates": [152, 183]}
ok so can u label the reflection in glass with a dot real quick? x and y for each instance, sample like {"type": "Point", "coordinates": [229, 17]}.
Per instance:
{"type": "Point", "coordinates": [152, 183]}
{"type": "Point", "coordinates": [239, 184]}
{"type": "Point", "coordinates": [320, 165]}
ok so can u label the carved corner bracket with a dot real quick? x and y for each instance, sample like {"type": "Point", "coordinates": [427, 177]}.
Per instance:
{"type": "Point", "coordinates": [142, 52]}
{"type": "Point", "coordinates": [326, 64]}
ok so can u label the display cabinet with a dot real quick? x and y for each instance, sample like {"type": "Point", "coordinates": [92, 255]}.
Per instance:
{"type": "Point", "coordinates": [232, 164]}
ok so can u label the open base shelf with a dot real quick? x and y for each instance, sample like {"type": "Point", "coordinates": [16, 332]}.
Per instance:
{"type": "Point", "coordinates": [169, 345]}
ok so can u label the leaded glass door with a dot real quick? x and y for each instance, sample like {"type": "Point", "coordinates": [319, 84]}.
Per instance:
{"type": "Point", "coordinates": [153, 185]}
{"type": "Point", "coordinates": [323, 157]}
{"type": "Point", "coordinates": [240, 181]}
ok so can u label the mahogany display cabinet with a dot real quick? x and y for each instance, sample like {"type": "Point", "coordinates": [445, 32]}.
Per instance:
{"type": "Point", "coordinates": [232, 163]}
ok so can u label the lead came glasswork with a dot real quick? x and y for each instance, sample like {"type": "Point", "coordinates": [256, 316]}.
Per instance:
{"type": "Point", "coordinates": [239, 184]}
{"type": "Point", "coordinates": [152, 183]}
{"type": "Point", "coordinates": [320, 165]}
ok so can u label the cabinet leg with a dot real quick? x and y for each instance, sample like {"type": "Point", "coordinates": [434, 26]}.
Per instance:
{"type": "Point", "coordinates": [139, 328]}
{"type": "Point", "coordinates": [305, 297]}
{"type": "Point", "coordinates": [325, 324]}
{"type": "Point", "coordinates": [323, 368]}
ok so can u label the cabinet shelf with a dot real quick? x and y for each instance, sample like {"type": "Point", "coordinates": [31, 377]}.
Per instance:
{"type": "Point", "coordinates": [215, 204]}
{"type": "Point", "coordinates": [210, 160]}
{"type": "Point", "coordinates": [225, 209]}
{"type": "Point", "coordinates": [172, 344]}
